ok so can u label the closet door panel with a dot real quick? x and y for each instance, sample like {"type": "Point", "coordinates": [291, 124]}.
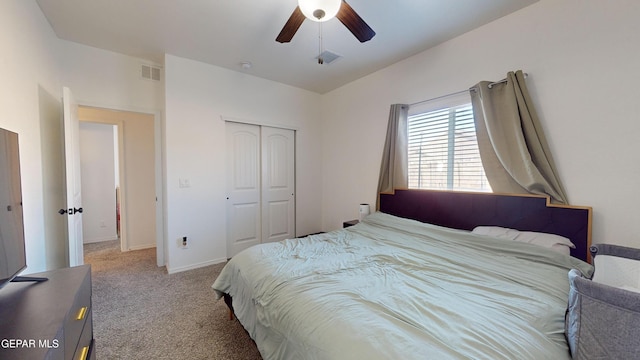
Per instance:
{"type": "Point", "coordinates": [244, 228]}
{"type": "Point", "coordinates": [278, 184]}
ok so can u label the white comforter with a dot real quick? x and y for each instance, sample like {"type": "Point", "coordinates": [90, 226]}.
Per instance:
{"type": "Point", "coordinates": [391, 288]}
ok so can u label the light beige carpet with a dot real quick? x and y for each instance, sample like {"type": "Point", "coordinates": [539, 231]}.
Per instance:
{"type": "Point", "coordinates": [141, 312]}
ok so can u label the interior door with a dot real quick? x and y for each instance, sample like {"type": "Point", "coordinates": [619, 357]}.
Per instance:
{"type": "Point", "coordinates": [278, 184]}
{"type": "Point", "coordinates": [73, 211]}
{"type": "Point", "coordinates": [243, 187]}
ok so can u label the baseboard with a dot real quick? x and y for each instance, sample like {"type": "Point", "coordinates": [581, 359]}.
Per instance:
{"type": "Point", "coordinates": [142, 247]}
{"type": "Point", "coordinates": [100, 239]}
{"type": "Point", "coordinates": [173, 270]}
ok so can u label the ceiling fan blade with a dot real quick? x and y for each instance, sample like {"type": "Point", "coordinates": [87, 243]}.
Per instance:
{"type": "Point", "coordinates": [291, 26]}
{"type": "Point", "coordinates": [354, 23]}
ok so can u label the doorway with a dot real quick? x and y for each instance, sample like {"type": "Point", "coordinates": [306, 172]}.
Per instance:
{"type": "Point", "coordinates": [129, 211]}
{"type": "Point", "coordinates": [100, 178]}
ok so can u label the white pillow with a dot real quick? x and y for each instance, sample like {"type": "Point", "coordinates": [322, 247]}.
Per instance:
{"type": "Point", "coordinates": [555, 242]}
{"type": "Point", "coordinates": [496, 231]}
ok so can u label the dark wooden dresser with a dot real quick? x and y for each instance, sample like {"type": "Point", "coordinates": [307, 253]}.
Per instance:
{"type": "Point", "coordinates": [48, 320]}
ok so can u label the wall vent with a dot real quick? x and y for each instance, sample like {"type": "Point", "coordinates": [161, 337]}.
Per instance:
{"type": "Point", "coordinates": [327, 57]}
{"type": "Point", "coordinates": [150, 72]}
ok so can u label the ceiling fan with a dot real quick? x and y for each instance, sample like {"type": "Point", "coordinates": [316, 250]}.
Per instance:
{"type": "Point", "coordinates": [321, 11]}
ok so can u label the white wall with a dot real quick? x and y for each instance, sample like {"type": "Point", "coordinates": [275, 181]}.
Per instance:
{"type": "Point", "coordinates": [582, 58]}
{"type": "Point", "coordinates": [97, 163]}
{"type": "Point", "coordinates": [197, 95]}
{"type": "Point", "coordinates": [107, 79]}
{"type": "Point", "coordinates": [139, 171]}
{"type": "Point", "coordinates": [29, 100]}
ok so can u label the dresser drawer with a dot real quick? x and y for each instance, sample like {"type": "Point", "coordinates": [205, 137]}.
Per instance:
{"type": "Point", "coordinates": [84, 348]}
{"type": "Point", "coordinates": [78, 316]}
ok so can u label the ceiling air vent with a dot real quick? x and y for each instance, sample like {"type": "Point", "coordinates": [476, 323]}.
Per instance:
{"type": "Point", "coordinates": [327, 57]}
{"type": "Point", "coordinates": [150, 72]}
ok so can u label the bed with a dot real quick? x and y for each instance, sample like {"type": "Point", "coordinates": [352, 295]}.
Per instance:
{"type": "Point", "coordinates": [415, 281]}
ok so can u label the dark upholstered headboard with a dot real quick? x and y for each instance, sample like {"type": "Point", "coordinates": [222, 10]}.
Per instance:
{"type": "Point", "coordinates": [466, 210]}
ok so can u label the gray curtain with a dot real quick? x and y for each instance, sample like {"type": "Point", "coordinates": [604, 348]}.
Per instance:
{"type": "Point", "coordinates": [514, 151]}
{"type": "Point", "coordinates": [393, 170]}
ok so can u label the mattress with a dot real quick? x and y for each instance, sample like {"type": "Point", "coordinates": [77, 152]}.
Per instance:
{"type": "Point", "coordinates": [393, 288]}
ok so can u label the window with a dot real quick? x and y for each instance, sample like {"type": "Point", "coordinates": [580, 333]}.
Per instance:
{"type": "Point", "coordinates": [443, 149]}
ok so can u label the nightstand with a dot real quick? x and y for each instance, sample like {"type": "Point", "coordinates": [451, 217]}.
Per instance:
{"type": "Point", "coordinates": [346, 224]}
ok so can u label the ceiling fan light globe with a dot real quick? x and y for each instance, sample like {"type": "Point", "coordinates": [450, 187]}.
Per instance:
{"type": "Point", "coordinates": [310, 7]}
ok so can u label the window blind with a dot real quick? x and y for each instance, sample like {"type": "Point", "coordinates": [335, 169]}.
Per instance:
{"type": "Point", "coordinates": [443, 150]}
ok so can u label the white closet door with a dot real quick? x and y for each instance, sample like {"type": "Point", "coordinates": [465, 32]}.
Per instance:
{"type": "Point", "coordinates": [278, 184]}
{"type": "Point", "coordinates": [243, 187]}
{"type": "Point", "coordinates": [260, 185]}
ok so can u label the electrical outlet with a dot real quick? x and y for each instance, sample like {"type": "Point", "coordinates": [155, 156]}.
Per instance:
{"type": "Point", "coordinates": [182, 243]}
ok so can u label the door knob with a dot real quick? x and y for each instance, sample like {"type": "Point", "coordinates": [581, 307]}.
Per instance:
{"type": "Point", "coordinates": [71, 211]}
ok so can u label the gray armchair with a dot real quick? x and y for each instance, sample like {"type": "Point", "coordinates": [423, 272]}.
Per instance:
{"type": "Point", "coordinates": [603, 316]}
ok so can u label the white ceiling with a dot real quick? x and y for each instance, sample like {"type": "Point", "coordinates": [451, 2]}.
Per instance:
{"type": "Point", "coordinates": [226, 33]}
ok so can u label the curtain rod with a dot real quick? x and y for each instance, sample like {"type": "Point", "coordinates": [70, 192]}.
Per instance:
{"type": "Point", "coordinates": [462, 91]}
{"type": "Point", "coordinates": [439, 97]}
{"type": "Point", "coordinates": [503, 81]}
